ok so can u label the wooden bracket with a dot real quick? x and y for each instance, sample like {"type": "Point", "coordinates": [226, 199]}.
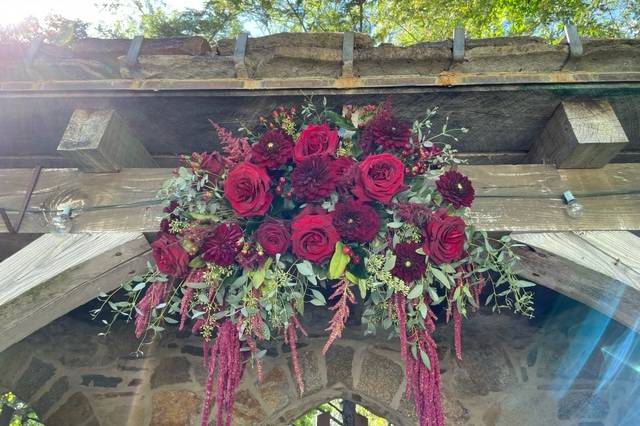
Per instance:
{"type": "Point", "coordinates": [580, 134]}
{"type": "Point", "coordinates": [238, 56]}
{"type": "Point", "coordinates": [100, 141]}
{"type": "Point", "coordinates": [348, 41]}
{"type": "Point", "coordinates": [573, 38]}
{"type": "Point", "coordinates": [134, 51]}
{"type": "Point", "coordinates": [458, 43]}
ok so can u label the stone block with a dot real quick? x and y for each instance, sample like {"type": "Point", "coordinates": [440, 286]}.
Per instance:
{"type": "Point", "coordinates": [274, 390]}
{"type": "Point", "coordinates": [50, 397]}
{"type": "Point", "coordinates": [380, 377]}
{"type": "Point", "coordinates": [34, 377]}
{"type": "Point", "coordinates": [174, 408]}
{"type": "Point", "coordinates": [75, 411]}
{"type": "Point", "coordinates": [170, 371]}
{"type": "Point", "coordinates": [339, 361]}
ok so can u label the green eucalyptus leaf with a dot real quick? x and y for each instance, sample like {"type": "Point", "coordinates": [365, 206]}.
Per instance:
{"type": "Point", "coordinates": [415, 292]}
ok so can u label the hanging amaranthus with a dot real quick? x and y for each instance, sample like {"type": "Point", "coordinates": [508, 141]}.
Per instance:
{"type": "Point", "coordinates": [291, 338]}
{"type": "Point", "coordinates": [341, 311]}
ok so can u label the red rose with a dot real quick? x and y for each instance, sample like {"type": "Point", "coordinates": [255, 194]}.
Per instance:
{"type": "Point", "coordinates": [443, 237]}
{"type": "Point", "coordinates": [247, 189]}
{"type": "Point", "coordinates": [313, 236]}
{"type": "Point", "coordinates": [380, 177]}
{"type": "Point", "coordinates": [315, 139]}
{"type": "Point", "coordinates": [223, 244]}
{"type": "Point", "coordinates": [274, 236]}
{"type": "Point", "coordinates": [313, 178]}
{"type": "Point", "coordinates": [169, 255]}
{"type": "Point", "coordinates": [356, 221]}
{"type": "Point", "coordinates": [456, 189]}
{"type": "Point", "coordinates": [273, 149]}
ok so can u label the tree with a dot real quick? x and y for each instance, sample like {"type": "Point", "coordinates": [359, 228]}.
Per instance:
{"type": "Point", "coordinates": [55, 29]}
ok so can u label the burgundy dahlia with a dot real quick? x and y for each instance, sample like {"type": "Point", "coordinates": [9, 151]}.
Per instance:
{"type": "Point", "coordinates": [385, 131]}
{"type": "Point", "coordinates": [273, 149]}
{"type": "Point", "coordinates": [313, 178]}
{"type": "Point", "coordinates": [414, 213]}
{"type": "Point", "coordinates": [356, 221]}
{"type": "Point", "coordinates": [456, 189]}
{"type": "Point", "coordinates": [222, 246]}
{"type": "Point", "coordinates": [345, 171]}
{"type": "Point", "coordinates": [410, 265]}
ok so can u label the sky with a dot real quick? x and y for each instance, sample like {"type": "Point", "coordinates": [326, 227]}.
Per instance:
{"type": "Point", "coordinates": [14, 11]}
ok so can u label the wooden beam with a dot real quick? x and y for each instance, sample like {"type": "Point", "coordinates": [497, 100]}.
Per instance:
{"type": "Point", "coordinates": [100, 141]}
{"type": "Point", "coordinates": [57, 273]}
{"type": "Point", "coordinates": [522, 198]}
{"type": "Point", "coordinates": [599, 269]}
{"type": "Point", "coordinates": [580, 134]}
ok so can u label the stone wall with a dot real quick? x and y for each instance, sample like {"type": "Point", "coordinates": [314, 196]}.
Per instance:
{"type": "Point", "coordinates": [552, 371]}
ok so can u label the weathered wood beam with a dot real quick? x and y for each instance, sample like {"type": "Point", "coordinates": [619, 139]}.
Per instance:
{"type": "Point", "coordinates": [57, 273]}
{"type": "Point", "coordinates": [599, 269]}
{"type": "Point", "coordinates": [580, 134]}
{"type": "Point", "coordinates": [522, 198]}
{"type": "Point", "coordinates": [100, 141]}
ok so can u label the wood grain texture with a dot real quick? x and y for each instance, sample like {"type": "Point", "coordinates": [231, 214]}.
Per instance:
{"type": "Point", "coordinates": [100, 141]}
{"type": "Point", "coordinates": [591, 251]}
{"type": "Point", "coordinates": [580, 134]}
{"type": "Point", "coordinates": [522, 198]}
{"type": "Point", "coordinates": [57, 273]}
{"type": "Point", "coordinates": [601, 292]}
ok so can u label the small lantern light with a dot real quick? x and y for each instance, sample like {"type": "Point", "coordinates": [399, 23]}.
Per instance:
{"type": "Point", "coordinates": [574, 208]}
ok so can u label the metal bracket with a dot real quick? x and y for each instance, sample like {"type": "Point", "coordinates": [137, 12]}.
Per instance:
{"type": "Point", "coordinates": [134, 51]}
{"type": "Point", "coordinates": [238, 56]}
{"type": "Point", "coordinates": [7, 221]}
{"type": "Point", "coordinates": [33, 50]}
{"type": "Point", "coordinates": [458, 43]}
{"type": "Point", "coordinates": [32, 185]}
{"type": "Point", "coordinates": [348, 41]}
{"type": "Point", "coordinates": [573, 38]}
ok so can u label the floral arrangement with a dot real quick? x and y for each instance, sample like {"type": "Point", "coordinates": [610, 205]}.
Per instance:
{"type": "Point", "coordinates": [330, 209]}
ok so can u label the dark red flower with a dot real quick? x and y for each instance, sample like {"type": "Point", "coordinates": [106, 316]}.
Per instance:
{"type": "Point", "coordinates": [273, 149]}
{"type": "Point", "coordinates": [315, 139]}
{"type": "Point", "coordinates": [313, 178]}
{"type": "Point", "coordinates": [170, 257]}
{"type": "Point", "coordinates": [414, 213]}
{"type": "Point", "coordinates": [443, 237]}
{"type": "Point", "coordinates": [313, 236]}
{"type": "Point", "coordinates": [250, 258]}
{"type": "Point", "coordinates": [345, 171]}
{"type": "Point", "coordinates": [247, 189]}
{"type": "Point", "coordinates": [380, 177]}
{"type": "Point", "coordinates": [164, 223]}
{"type": "Point", "coordinates": [274, 236]}
{"type": "Point", "coordinates": [223, 244]}
{"type": "Point", "coordinates": [456, 189]}
{"type": "Point", "coordinates": [356, 220]}
{"type": "Point", "coordinates": [410, 265]}
{"type": "Point", "coordinates": [383, 130]}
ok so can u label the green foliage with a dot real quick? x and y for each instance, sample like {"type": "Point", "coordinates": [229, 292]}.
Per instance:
{"type": "Point", "coordinates": [55, 29]}
{"type": "Point", "coordinates": [23, 415]}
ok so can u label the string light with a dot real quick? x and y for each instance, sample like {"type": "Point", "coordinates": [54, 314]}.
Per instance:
{"type": "Point", "coordinates": [61, 223]}
{"type": "Point", "coordinates": [574, 208]}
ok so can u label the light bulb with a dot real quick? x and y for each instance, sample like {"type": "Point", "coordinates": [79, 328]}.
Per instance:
{"type": "Point", "coordinates": [574, 208]}
{"type": "Point", "coordinates": [61, 223]}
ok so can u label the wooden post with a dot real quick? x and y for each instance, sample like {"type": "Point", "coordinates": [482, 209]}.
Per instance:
{"type": "Point", "coordinates": [100, 141]}
{"type": "Point", "coordinates": [580, 134]}
{"type": "Point", "coordinates": [599, 269]}
{"type": "Point", "coordinates": [57, 273]}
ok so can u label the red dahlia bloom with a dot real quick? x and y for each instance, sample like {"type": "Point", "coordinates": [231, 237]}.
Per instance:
{"type": "Point", "coordinates": [315, 139]}
{"type": "Point", "coordinates": [443, 237]}
{"type": "Point", "coordinates": [456, 189]}
{"type": "Point", "coordinates": [247, 190]}
{"type": "Point", "coordinates": [169, 255]}
{"type": "Point", "coordinates": [385, 131]}
{"type": "Point", "coordinates": [313, 236]}
{"type": "Point", "coordinates": [356, 221]}
{"type": "Point", "coordinates": [222, 246]}
{"type": "Point", "coordinates": [345, 171]}
{"type": "Point", "coordinates": [410, 265]}
{"type": "Point", "coordinates": [273, 149]}
{"type": "Point", "coordinates": [313, 178]}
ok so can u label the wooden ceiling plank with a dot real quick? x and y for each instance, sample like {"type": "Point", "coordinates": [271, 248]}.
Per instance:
{"type": "Point", "coordinates": [524, 198]}
{"type": "Point", "coordinates": [100, 141]}
{"type": "Point", "coordinates": [580, 134]}
{"type": "Point", "coordinates": [57, 273]}
{"type": "Point", "coordinates": [601, 292]}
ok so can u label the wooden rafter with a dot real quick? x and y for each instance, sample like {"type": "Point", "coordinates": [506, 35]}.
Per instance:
{"type": "Point", "coordinates": [599, 269]}
{"type": "Point", "coordinates": [57, 273]}
{"type": "Point", "coordinates": [523, 198]}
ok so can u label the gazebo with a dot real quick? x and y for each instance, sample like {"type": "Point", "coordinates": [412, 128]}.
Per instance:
{"type": "Point", "coordinates": [88, 132]}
